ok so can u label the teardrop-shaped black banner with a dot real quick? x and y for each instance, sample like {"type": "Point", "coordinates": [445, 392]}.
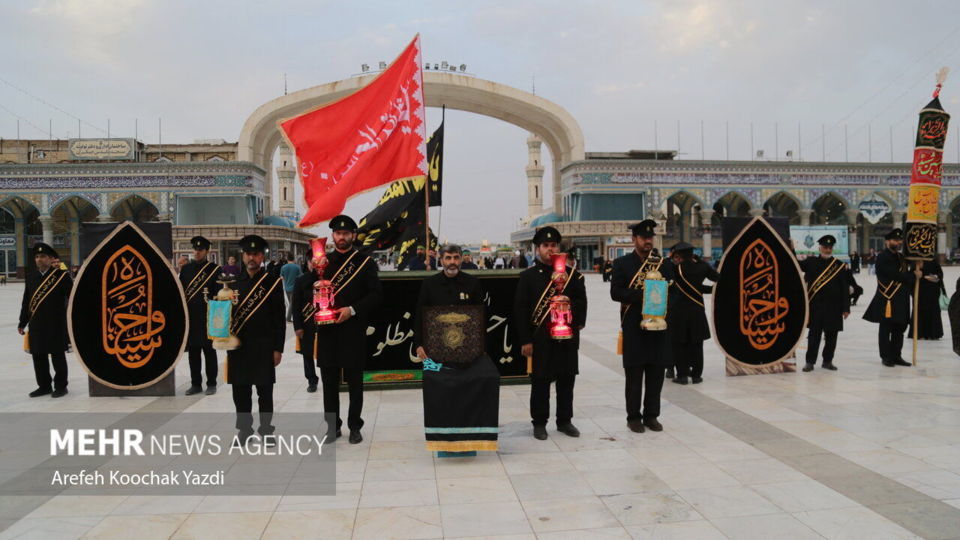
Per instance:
{"type": "Point", "coordinates": [760, 302]}
{"type": "Point", "coordinates": [127, 314]}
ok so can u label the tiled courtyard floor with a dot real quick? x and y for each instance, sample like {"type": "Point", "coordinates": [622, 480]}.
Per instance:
{"type": "Point", "coordinates": [864, 452]}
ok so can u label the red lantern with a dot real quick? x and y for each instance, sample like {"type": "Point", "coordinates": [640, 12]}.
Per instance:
{"type": "Point", "coordinates": [322, 288]}
{"type": "Point", "coordinates": [561, 314]}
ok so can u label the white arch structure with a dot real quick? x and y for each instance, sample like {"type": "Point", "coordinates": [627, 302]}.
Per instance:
{"type": "Point", "coordinates": [558, 129]}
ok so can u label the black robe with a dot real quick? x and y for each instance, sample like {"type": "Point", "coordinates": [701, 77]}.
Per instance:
{"type": "Point", "coordinates": [440, 290]}
{"type": "Point", "coordinates": [48, 325]}
{"type": "Point", "coordinates": [891, 267]}
{"type": "Point", "coordinates": [954, 312]}
{"type": "Point", "coordinates": [262, 334]}
{"type": "Point", "coordinates": [828, 305]}
{"type": "Point", "coordinates": [640, 347]}
{"type": "Point", "coordinates": [929, 321]}
{"type": "Point", "coordinates": [197, 306]}
{"type": "Point", "coordinates": [345, 344]}
{"type": "Point", "coordinates": [686, 318]}
{"type": "Point", "coordinates": [551, 357]}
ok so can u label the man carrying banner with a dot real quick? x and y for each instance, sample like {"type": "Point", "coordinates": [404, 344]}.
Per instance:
{"type": "Point", "coordinates": [44, 313]}
{"type": "Point", "coordinates": [259, 322]}
{"type": "Point", "coordinates": [196, 277]}
{"type": "Point", "coordinates": [686, 318]}
{"type": "Point", "coordinates": [552, 359]}
{"type": "Point", "coordinates": [829, 301]}
{"type": "Point", "coordinates": [460, 396]}
{"type": "Point", "coordinates": [303, 324]}
{"type": "Point", "coordinates": [343, 346]}
{"type": "Point", "coordinates": [645, 352]}
{"type": "Point", "coordinates": [891, 303]}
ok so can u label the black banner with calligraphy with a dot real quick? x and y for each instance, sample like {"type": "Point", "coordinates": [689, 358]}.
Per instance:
{"type": "Point", "coordinates": [390, 335]}
{"type": "Point", "coordinates": [127, 315]}
{"type": "Point", "coordinates": [760, 301]}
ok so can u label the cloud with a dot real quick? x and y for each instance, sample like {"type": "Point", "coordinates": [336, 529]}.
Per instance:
{"type": "Point", "coordinates": [92, 25]}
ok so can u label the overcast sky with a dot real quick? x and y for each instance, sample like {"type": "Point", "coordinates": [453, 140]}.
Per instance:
{"type": "Point", "coordinates": [204, 66]}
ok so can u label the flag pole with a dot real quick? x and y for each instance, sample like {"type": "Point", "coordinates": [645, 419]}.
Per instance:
{"type": "Point", "coordinates": [916, 306]}
{"type": "Point", "coordinates": [426, 219]}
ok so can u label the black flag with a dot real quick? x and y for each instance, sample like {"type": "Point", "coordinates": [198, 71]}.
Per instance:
{"type": "Point", "coordinates": [435, 166]}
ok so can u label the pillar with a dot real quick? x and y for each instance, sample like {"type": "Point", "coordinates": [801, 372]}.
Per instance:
{"type": "Point", "coordinates": [942, 248]}
{"type": "Point", "coordinates": [706, 222]}
{"type": "Point", "coordinates": [853, 227]}
{"type": "Point", "coordinates": [286, 172]}
{"type": "Point", "coordinates": [897, 216]}
{"type": "Point", "coordinates": [534, 177]}
{"type": "Point", "coordinates": [47, 223]}
{"type": "Point", "coordinates": [75, 241]}
{"type": "Point", "coordinates": [805, 214]}
{"type": "Point", "coordinates": [19, 234]}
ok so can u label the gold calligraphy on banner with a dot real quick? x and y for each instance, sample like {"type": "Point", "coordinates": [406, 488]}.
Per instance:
{"type": "Point", "coordinates": [924, 199]}
{"type": "Point", "coordinates": [762, 309]}
{"type": "Point", "coordinates": [921, 240]}
{"type": "Point", "coordinates": [927, 166]}
{"type": "Point", "coordinates": [131, 326]}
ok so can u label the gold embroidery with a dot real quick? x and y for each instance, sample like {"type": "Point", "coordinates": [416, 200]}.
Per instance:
{"type": "Point", "coordinates": [762, 309]}
{"type": "Point", "coordinates": [131, 326]}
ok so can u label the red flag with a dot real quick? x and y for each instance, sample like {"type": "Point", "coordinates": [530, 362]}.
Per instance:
{"type": "Point", "coordinates": [371, 137]}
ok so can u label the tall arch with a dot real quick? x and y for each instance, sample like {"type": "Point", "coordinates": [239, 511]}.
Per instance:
{"type": "Point", "coordinates": [784, 204]}
{"type": "Point", "coordinates": [558, 129]}
{"type": "Point", "coordinates": [134, 208]}
{"type": "Point", "coordinates": [829, 209]}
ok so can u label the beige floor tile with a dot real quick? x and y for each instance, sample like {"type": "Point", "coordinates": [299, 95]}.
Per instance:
{"type": "Point", "coordinates": [239, 525]}
{"type": "Point", "coordinates": [158, 504]}
{"type": "Point", "coordinates": [399, 493]}
{"type": "Point", "coordinates": [851, 524]}
{"type": "Point", "coordinates": [761, 471]}
{"type": "Point", "coordinates": [700, 475]}
{"type": "Point", "coordinates": [765, 528]}
{"type": "Point", "coordinates": [483, 464]}
{"type": "Point", "coordinates": [653, 507]}
{"type": "Point", "coordinates": [540, 486]}
{"type": "Point", "coordinates": [146, 527]}
{"type": "Point", "coordinates": [237, 503]}
{"type": "Point", "coordinates": [347, 496]}
{"type": "Point", "coordinates": [603, 533]}
{"type": "Point", "coordinates": [624, 481]}
{"type": "Point", "coordinates": [398, 522]}
{"type": "Point", "coordinates": [541, 462]}
{"type": "Point", "coordinates": [51, 527]}
{"type": "Point", "coordinates": [399, 469]}
{"type": "Point", "coordinates": [594, 460]}
{"type": "Point", "coordinates": [484, 519]}
{"type": "Point", "coordinates": [308, 524]}
{"type": "Point", "coordinates": [803, 495]}
{"type": "Point", "coordinates": [78, 505]}
{"type": "Point", "coordinates": [681, 530]}
{"type": "Point", "coordinates": [729, 501]}
{"type": "Point", "coordinates": [475, 490]}
{"type": "Point", "coordinates": [568, 514]}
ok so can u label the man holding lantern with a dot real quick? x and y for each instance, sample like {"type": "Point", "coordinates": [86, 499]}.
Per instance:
{"type": "Point", "coordinates": [550, 309]}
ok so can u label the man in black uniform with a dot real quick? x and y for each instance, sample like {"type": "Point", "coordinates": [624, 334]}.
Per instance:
{"type": "Point", "coordinates": [44, 311]}
{"type": "Point", "coordinates": [343, 345]}
{"type": "Point", "coordinates": [450, 287]}
{"type": "Point", "coordinates": [829, 293]}
{"type": "Point", "coordinates": [467, 263]}
{"type": "Point", "coordinates": [303, 324]}
{"type": "Point", "coordinates": [552, 359]}
{"type": "Point", "coordinates": [198, 277]}
{"type": "Point", "coordinates": [259, 322]}
{"type": "Point", "coordinates": [645, 353]}
{"type": "Point", "coordinates": [686, 318]}
{"type": "Point", "coordinates": [891, 304]}
{"type": "Point", "coordinates": [419, 261]}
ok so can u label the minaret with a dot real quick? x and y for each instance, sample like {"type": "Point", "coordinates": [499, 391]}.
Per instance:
{"type": "Point", "coordinates": [534, 177]}
{"type": "Point", "coordinates": [286, 172]}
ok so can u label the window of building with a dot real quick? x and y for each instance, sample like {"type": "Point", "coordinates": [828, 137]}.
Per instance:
{"type": "Point", "coordinates": [607, 206]}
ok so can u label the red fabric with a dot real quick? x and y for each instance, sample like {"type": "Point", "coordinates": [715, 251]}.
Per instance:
{"type": "Point", "coordinates": [372, 137]}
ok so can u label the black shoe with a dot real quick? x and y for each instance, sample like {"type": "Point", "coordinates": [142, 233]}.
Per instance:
{"type": "Point", "coordinates": [269, 441]}
{"type": "Point", "coordinates": [697, 380]}
{"type": "Point", "coordinates": [195, 389]}
{"type": "Point", "coordinates": [681, 380]}
{"type": "Point", "coordinates": [888, 363]}
{"type": "Point", "coordinates": [653, 424]}
{"type": "Point", "coordinates": [540, 433]}
{"type": "Point", "coordinates": [807, 368]}
{"type": "Point", "coordinates": [635, 426]}
{"type": "Point", "coordinates": [211, 390]}
{"type": "Point", "coordinates": [568, 429]}
{"type": "Point", "coordinates": [830, 366]}
{"type": "Point", "coordinates": [902, 362]}
{"type": "Point", "coordinates": [670, 373]}
{"type": "Point", "coordinates": [332, 436]}
{"type": "Point", "coordinates": [59, 392]}
{"type": "Point", "coordinates": [312, 387]}
{"type": "Point", "coordinates": [41, 392]}
{"type": "Point", "coordinates": [355, 436]}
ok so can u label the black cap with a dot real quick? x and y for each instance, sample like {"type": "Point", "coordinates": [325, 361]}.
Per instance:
{"type": "Point", "coordinates": [199, 242]}
{"type": "Point", "coordinates": [645, 228]}
{"type": "Point", "coordinates": [681, 246]}
{"type": "Point", "coordinates": [546, 234]}
{"type": "Point", "coordinates": [895, 234]}
{"type": "Point", "coordinates": [827, 240]}
{"type": "Point", "coordinates": [343, 223]}
{"type": "Point", "coordinates": [45, 249]}
{"type": "Point", "coordinates": [253, 244]}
